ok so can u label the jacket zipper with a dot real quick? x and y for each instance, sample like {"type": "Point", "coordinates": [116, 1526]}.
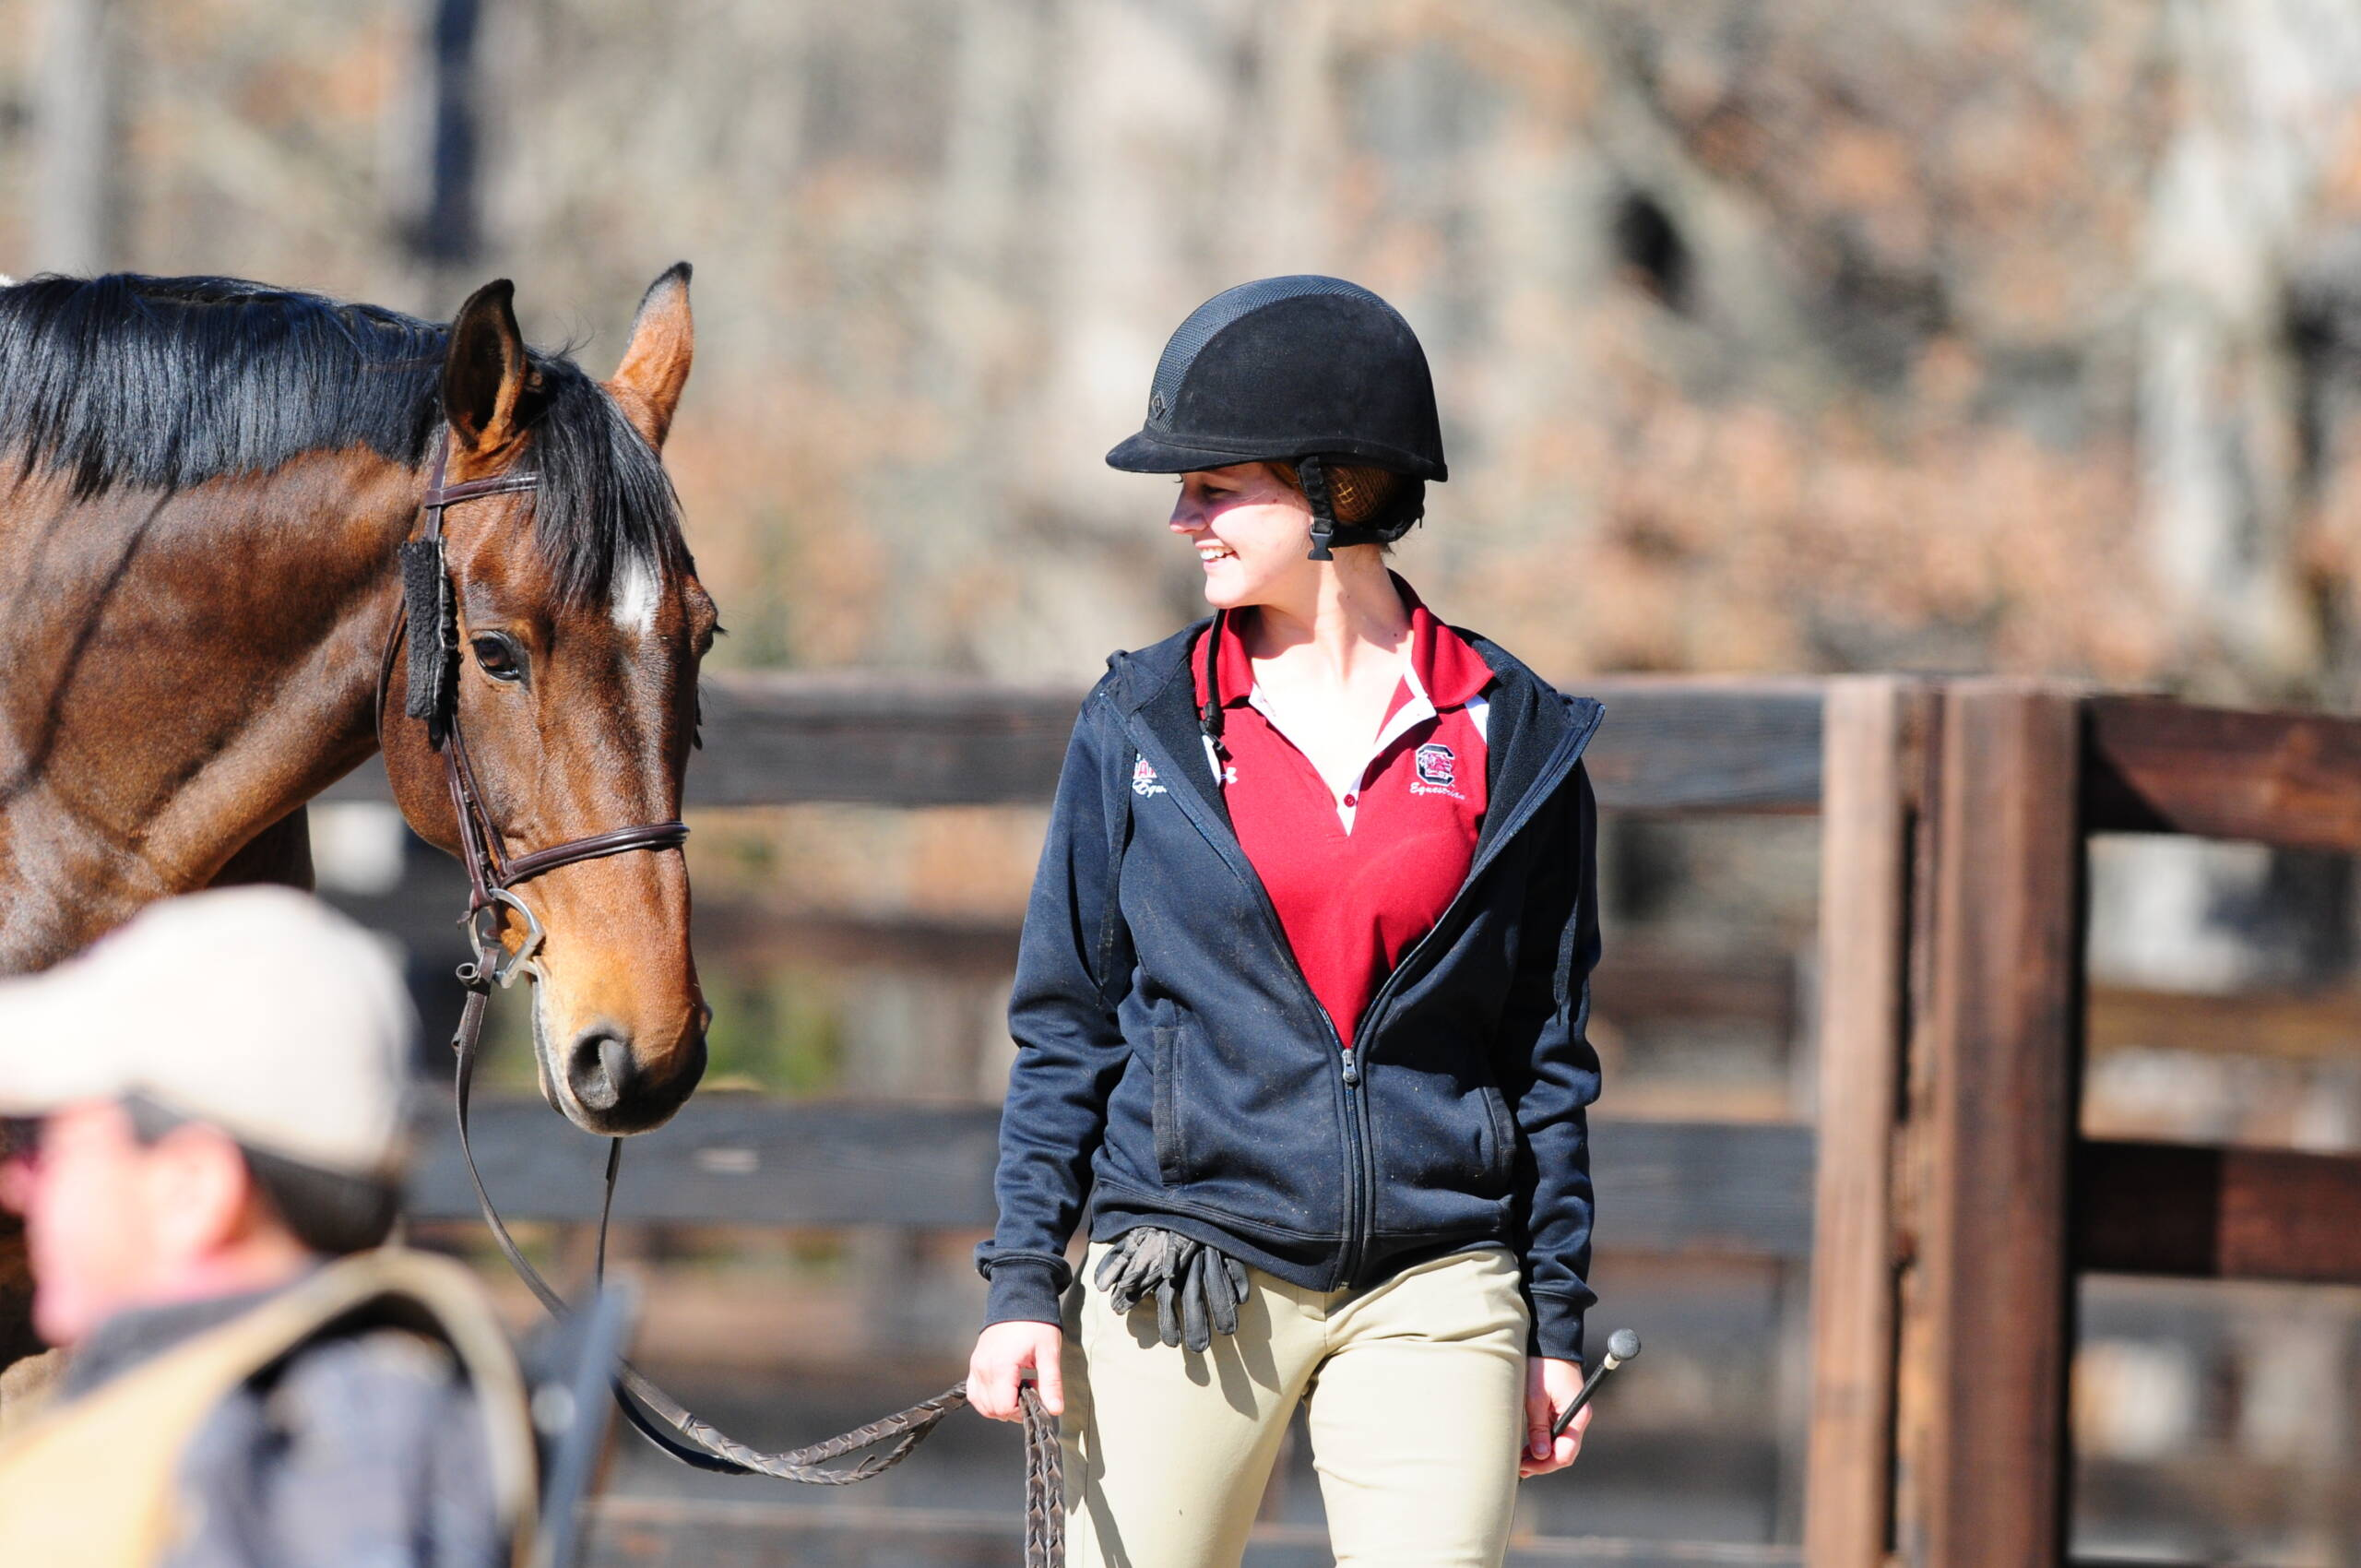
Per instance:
{"type": "Point", "coordinates": [1365, 1028]}
{"type": "Point", "coordinates": [1358, 1159]}
{"type": "Point", "coordinates": [1359, 1147]}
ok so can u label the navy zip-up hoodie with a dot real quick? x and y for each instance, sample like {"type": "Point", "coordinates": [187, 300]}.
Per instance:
{"type": "Point", "coordinates": [1173, 1066]}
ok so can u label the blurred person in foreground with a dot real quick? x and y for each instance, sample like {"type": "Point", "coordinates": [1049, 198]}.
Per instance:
{"type": "Point", "coordinates": [1301, 1002]}
{"type": "Point", "coordinates": [207, 1149]}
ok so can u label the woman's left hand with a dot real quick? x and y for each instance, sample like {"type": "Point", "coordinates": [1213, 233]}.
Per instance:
{"type": "Point", "coordinates": [1549, 1387]}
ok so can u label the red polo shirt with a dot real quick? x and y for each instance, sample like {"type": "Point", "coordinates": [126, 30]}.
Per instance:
{"type": "Point", "coordinates": [1360, 867]}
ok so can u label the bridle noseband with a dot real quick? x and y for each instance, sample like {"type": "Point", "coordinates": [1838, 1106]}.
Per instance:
{"type": "Point", "coordinates": [428, 611]}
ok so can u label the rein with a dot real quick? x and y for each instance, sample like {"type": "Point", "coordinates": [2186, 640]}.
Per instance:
{"type": "Point", "coordinates": [492, 872]}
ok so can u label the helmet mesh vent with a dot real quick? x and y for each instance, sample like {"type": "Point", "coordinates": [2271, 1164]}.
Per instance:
{"type": "Point", "coordinates": [1209, 318]}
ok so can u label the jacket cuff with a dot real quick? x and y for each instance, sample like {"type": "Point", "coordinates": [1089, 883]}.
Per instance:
{"type": "Point", "coordinates": [1025, 1290]}
{"type": "Point", "coordinates": [1557, 1326]}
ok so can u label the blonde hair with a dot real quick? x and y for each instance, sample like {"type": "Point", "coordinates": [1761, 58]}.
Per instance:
{"type": "Point", "coordinates": [1355, 494]}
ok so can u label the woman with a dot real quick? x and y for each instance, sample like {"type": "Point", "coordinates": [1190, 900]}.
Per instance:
{"type": "Point", "coordinates": [1302, 999]}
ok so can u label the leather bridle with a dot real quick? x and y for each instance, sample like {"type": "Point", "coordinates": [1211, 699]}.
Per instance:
{"type": "Point", "coordinates": [492, 872]}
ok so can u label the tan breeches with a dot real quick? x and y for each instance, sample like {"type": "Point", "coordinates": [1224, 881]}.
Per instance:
{"type": "Point", "coordinates": [1415, 1391]}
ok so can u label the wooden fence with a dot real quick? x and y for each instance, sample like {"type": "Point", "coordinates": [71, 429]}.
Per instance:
{"type": "Point", "coordinates": [1946, 1200]}
{"type": "Point", "coordinates": [1957, 1202]}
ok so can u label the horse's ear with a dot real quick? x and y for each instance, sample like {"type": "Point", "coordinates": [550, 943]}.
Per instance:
{"type": "Point", "coordinates": [656, 362]}
{"type": "Point", "coordinates": [485, 370]}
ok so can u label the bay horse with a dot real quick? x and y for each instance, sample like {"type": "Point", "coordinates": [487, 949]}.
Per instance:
{"type": "Point", "coordinates": [203, 484]}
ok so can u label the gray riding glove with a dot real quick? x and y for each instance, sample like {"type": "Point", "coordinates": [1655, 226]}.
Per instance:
{"type": "Point", "coordinates": [1198, 1288]}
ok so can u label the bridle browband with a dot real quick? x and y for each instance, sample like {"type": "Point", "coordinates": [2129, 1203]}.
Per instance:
{"type": "Point", "coordinates": [433, 697]}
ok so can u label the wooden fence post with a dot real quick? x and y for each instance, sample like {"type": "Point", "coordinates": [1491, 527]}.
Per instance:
{"type": "Point", "coordinates": [1989, 1141]}
{"type": "Point", "coordinates": [1865, 891]}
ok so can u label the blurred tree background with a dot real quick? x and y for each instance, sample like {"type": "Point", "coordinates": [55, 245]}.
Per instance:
{"type": "Point", "coordinates": [1819, 337]}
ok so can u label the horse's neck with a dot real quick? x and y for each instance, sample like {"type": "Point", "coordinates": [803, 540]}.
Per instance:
{"type": "Point", "coordinates": [184, 672]}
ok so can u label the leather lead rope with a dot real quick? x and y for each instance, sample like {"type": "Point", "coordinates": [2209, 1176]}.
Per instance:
{"type": "Point", "coordinates": [493, 874]}
{"type": "Point", "coordinates": [669, 1425]}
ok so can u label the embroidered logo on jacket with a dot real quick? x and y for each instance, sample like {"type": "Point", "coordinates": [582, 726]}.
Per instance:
{"type": "Point", "coordinates": [1438, 769]}
{"type": "Point", "coordinates": [1144, 778]}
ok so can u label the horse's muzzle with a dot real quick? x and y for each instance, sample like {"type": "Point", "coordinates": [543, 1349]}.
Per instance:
{"type": "Point", "coordinates": [608, 1081]}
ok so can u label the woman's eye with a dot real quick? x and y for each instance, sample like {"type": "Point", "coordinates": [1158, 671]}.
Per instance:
{"type": "Point", "coordinates": [497, 658]}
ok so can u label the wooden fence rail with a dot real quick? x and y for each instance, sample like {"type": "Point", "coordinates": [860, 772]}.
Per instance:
{"type": "Point", "coordinates": [638, 1532]}
{"type": "Point", "coordinates": [1734, 1189]}
{"type": "Point", "coordinates": [746, 1159]}
{"type": "Point", "coordinates": [1945, 1198]}
{"type": "Point", "coordinates": [2152, 766]}
{"type": "Point", "coordinates": [771, 739]}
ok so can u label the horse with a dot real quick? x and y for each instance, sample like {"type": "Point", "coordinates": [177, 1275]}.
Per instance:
{"type": "Point", "coordinates": [203, 485]}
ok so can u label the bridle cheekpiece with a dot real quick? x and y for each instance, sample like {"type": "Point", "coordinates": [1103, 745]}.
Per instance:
{"type": "Point", "coordinates": [429, 620]}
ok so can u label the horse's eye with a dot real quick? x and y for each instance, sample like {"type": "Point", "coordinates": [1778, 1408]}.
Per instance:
{"type": "Point", "coordinates": [497, 658]}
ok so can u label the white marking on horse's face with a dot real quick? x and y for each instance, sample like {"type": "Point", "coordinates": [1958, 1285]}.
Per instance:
{"type": "Point", "coordinates": [639, 592]}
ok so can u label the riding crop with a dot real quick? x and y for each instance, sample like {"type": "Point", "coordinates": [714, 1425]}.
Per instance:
{"type": "Point", "coordinates": [1621, 1345]}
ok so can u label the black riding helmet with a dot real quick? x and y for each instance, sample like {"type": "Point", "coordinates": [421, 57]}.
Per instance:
{"type": "Point", "coordinates": [1307, 371]}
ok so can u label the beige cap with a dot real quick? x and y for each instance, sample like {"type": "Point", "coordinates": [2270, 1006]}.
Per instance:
{"type": "Point", "coordinates": [259, 1010]}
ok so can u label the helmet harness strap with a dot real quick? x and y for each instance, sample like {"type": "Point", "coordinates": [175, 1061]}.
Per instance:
{"type": "Point", "coordinates": [1313, 475]}
{"type": "Point", "coordinates": [1209, 713]}
{"type": "Point", "coordinates": [1329, 531]}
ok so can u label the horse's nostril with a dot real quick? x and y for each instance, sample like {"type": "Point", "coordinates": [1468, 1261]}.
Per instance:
{"type": "Point", "coordinates": [599, 1069]}
{"type": "Point", "coordinates": [607, 1082]}
{"type": "Point", "coordinates": [614, 1056]}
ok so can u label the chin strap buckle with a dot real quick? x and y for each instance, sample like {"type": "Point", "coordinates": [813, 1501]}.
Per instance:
{"type": "Point", "coordinates": [1313, 476]}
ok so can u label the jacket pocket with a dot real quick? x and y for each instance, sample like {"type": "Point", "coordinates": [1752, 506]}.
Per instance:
{"type": "Point", "coordinates": [1171, 1149]}
{"type": "Point", "coordinates": [1505, 1133]}
{"type": "Point", "coordinates": [1439, 1139]}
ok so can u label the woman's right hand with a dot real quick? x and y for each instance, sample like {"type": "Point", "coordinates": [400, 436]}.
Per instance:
{"type": "Point", "coordinates": [1003, 1352]}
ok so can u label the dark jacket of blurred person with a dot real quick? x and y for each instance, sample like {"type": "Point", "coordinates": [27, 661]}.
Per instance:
{"type": "Point", "coordinates": [207, 1149]}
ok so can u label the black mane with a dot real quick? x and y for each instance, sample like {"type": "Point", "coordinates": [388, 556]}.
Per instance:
{"type": "Point", "coordinates": [165, 383]}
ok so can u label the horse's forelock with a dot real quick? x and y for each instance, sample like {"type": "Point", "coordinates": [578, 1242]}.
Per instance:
{"type": "Point", "coordinates": [604, 501]}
